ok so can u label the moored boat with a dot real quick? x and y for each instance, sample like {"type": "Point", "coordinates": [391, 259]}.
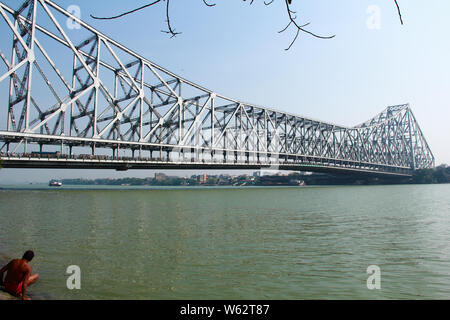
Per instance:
{"type": "Point", "coordinates": [55, 183]}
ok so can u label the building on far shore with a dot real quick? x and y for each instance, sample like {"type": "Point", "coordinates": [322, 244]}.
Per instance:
{"type": "Point", "coordinates": [160, 177]}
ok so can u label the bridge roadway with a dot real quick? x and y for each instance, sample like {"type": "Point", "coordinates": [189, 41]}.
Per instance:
{"type": "Point", "coordinates": [306, 164]}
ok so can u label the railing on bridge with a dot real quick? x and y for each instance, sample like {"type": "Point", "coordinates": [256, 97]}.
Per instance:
{"type": "Point", "coordinates": [84, 95]}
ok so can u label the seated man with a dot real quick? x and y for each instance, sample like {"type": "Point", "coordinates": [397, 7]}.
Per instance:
{"type": "Point", "coordinates": [18, 276]}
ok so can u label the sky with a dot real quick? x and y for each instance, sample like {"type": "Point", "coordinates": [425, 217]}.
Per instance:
{"type": "Point", "coordinates": [234, 48]}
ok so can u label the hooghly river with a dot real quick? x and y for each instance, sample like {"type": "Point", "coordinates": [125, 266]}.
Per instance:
{"type": "Point", "coordinates": [232, 243]}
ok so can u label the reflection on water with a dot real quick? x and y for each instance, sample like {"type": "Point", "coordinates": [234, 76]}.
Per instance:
{"type": "Point", "coordinates": [233, 243]}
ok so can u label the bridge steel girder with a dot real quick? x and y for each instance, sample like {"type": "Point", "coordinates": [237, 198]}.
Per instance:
{"type": "Point", "coordinates": [94, 93]}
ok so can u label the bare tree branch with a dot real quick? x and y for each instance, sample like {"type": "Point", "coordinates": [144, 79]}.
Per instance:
{"type": "Point", "coordinates": [126, 13]}
{"type": "Point", "coordinates": [399, 12]}
{"type": "Point", "coordinates": [292, 22]}
{"type": "Point", "coordinates": [207, 4]}
{"type": "Point", "coordinates": [299, 28]}
{"type": "Point", "coordinates": [171, 31]}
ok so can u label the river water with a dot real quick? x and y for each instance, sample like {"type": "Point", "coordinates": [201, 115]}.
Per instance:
{"type": "Point", "coordinates": [232, 243]}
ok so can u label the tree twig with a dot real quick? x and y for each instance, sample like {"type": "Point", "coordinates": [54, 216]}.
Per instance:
{"type": "Point", "coordinates": [299, 28]}
{"type": "Point", "coordinates": [399, 12]}
{"type": "Point", "coordinates": [171, 31]}
{"type": "Point", "coordinates": [207, 4]}
{"type": "Point", "coordinates": [126, 13]}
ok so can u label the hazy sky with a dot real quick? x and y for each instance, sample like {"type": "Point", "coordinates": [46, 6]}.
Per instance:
{"type": "Point", "coordinates": [235, 49]}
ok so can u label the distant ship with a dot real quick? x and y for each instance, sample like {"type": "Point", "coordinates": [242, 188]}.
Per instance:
{"type": "Point", "coordinates": [55, 183]}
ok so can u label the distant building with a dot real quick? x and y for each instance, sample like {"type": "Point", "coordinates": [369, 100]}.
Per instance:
{"type": "Point", "coordinates": [160, 176]}
{"type": "Point", "coordinates": [257, 174]}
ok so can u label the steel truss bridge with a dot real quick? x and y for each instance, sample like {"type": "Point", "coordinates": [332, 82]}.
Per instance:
{"type": "Point", "coordinates": [78, 99]}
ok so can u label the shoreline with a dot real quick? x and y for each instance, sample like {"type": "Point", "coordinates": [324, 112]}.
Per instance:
{"type": "Point", "coordinates": [5, 295]}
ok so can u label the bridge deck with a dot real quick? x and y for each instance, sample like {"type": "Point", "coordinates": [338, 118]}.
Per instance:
{"type": "Point", "coordinates": [123, 164]}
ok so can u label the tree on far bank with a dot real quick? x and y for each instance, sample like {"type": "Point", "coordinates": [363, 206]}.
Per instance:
{"type": "Point", "coordinates": [440, 174]}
